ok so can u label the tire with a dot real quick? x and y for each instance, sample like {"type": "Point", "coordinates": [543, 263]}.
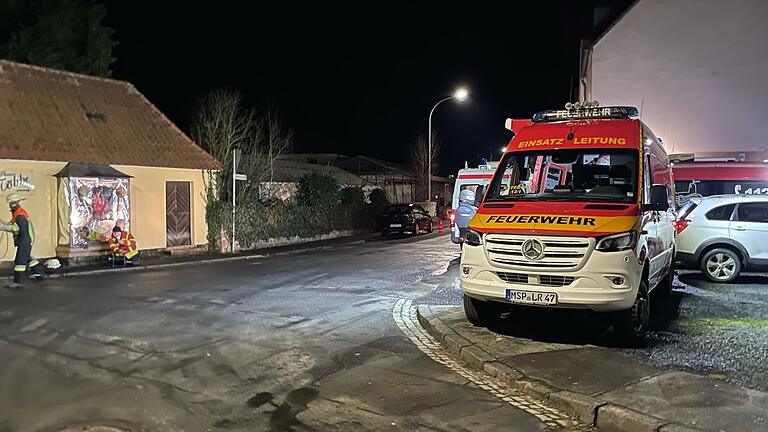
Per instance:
{"type": "Point", "coordinates": [632, 324]}
{"type": "Point", "coordinates": [665, 286]}
{"type": "Point", "coordinates": [480, 313]}
{"type": "Point", "coordinates": [721, 265]}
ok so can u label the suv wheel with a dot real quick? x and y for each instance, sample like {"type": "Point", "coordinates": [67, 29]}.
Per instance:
{"type": "Point", "coordinates": [632, 324]}
{"type": "Point", "coordinates": [721, 265]}
{"type": "Point", "coordinates": [480, 313]}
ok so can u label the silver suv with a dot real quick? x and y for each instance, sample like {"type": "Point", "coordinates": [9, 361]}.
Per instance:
{"type": "Point", "coordinates": [723, 235]}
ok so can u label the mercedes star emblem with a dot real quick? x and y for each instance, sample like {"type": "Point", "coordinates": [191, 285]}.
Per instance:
{"type": "Point", "coordinates": [533, 249]}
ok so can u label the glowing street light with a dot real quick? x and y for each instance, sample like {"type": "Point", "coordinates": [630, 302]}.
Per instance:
{"type": "Point", "coordinates": [460, 95]}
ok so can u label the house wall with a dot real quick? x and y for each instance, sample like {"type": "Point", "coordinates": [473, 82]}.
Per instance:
{"type": "Point", "coordinates": [147, 198]}
{"type": "Point", "coordinates": [697, 68]}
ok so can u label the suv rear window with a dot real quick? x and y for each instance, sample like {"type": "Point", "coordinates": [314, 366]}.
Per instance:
{"type": "Point", "coordinates": [687, 209]}
{"type": "Point", "coordinates": [721, 213]}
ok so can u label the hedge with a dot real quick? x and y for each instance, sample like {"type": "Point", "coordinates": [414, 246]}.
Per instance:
{"type": "Point", "coordinates": [320, 207]}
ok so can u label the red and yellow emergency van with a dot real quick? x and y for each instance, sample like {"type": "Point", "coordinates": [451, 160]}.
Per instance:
{"type": "Point", "coordinates": [579, 214]}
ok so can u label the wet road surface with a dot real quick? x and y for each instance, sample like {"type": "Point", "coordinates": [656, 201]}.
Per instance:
{"type": "Point", "coordinates": [300, 342]}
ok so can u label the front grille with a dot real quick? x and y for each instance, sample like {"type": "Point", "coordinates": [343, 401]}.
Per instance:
{"type": "Point", "coordinates": [555, 281]}
{"type": "Point", "coordinates": [513, 277]}
{"type": "Point", "coordinates": [559, 252]}
{"type": "Point", "coordinates": [543, 280]}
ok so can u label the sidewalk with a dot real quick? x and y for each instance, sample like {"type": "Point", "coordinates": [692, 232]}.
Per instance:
{"type": "Point", "coordinates": [600, 387]}
{"type": "Point", "coordinates": [159, 262]}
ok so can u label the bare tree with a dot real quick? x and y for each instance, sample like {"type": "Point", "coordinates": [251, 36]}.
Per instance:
{"type": "Point", "coordinates": [279, 139]}
{"type": "Point", "coordinates": [420, 161]}
{"type": "Point", "coordinates": [222, 123]}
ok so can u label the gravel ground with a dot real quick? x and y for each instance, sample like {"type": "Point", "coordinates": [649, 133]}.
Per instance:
{"type": "Point", "coordinates": [717, 329]}
{"type": "Point", "coordinates": [703, 327]}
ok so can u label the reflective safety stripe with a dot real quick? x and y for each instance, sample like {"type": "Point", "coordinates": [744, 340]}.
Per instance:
{"type": "Point", "coordinates": [14, 227]}
{"type": "Point", "coordinates": [131, 254]}
{"type": "Point", "coordinates": [20, 268]}
{"type": "Point", "coordinates": [34, 263]}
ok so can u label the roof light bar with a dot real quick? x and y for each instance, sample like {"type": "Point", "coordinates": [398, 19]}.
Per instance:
{"type": "Point", "coordinates": [585, 110]}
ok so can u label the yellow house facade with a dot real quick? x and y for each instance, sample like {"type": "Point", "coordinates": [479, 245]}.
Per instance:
{"type": "Point", "coordinates": [90, 153]}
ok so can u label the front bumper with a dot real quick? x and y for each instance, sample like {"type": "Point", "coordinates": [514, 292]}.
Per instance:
{"type": "Point", "coordinates": [591, 288]}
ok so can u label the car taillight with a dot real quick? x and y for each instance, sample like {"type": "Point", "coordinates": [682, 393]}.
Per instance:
{"type": "Point", "coordinates": [452, 216]}
{"type": "Point", "coordinates": [681, 224]}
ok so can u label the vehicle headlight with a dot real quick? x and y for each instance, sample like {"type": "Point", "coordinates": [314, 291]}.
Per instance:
{"type": "Point", "coordinates": [617, 242]}
{"type": "Point", "coordinates": [473, 238]}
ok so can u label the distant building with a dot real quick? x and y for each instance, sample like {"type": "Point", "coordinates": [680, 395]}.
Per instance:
{"type": "Point", "coordinates": [289, 169]}
{"type": "Point", "coordinates": [696, 69]}
{"type": "Point", "coordinates": [398, 181]}
{"type": "Point", "coordinates": [91, 153]}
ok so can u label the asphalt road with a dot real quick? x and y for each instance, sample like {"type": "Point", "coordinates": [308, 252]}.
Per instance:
{"type": "Point", "coordinates": [299, 342]}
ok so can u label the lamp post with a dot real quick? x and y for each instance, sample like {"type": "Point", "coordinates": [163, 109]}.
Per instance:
{"type": "Point", "coordinates": [460, 95]}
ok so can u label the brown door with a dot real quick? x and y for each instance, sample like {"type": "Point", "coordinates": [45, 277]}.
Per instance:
{"type": "Point", "coordinates": [177, 217]}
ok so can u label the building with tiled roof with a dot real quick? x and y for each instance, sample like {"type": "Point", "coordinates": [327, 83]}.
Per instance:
{"type": "Point", "coordinates": [91, 152]}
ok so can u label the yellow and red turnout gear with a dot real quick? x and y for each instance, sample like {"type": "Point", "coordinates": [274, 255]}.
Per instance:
{"type": "Point", "coordinates": [23, 232]}
{"type": "Point", "coordinates": [123, 243]}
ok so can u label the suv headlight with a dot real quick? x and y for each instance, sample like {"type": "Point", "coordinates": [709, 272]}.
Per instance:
{"type": "Point", "coordinates": [473, 238]}
{"type": "Point", "coordinates": [617, 242]}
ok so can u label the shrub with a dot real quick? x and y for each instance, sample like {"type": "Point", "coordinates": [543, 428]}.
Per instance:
{"type": "Point", "coordinates": [320, 207]}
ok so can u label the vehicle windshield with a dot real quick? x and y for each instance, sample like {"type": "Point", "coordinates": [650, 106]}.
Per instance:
{"type": "Point", "coordinates": [604, 175]}
{"type": "Point", "coordinates": [398, 208]}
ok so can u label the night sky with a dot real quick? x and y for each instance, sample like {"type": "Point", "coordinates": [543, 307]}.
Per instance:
{"type": "Point", "coordinates": [360, 78]}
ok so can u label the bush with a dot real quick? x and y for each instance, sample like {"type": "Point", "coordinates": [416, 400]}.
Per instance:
{"type": "Point", "coordinates": [320, 207]}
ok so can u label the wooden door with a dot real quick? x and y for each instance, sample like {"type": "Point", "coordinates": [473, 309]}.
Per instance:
{"type": "Point", "coordinates": [177, 215]}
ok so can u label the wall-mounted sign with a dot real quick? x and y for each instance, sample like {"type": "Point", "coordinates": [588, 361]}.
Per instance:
{"type": "Point", "coordinates": [12, 181]}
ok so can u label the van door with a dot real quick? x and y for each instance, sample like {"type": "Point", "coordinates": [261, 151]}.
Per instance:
{"type": "Point", "coordinates": [750, 228]}
{"type": "Point", "coordinates": [650, 226]}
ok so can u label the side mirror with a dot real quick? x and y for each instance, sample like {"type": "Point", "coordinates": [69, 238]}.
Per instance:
{"type": "Point", "coordinates": [479, 193]}
{"type": "Point", "coordinates": [659, 199]}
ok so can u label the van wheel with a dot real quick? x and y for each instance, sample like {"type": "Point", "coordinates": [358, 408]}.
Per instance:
{"type": "Point", "coordinates": [632, 324]}
{"type": "Point", "coordinates": [665, 286]}
{"type": "Point", "coordinates": [480, 313]}
{"type": "Point", "coordinates": [721, 265]}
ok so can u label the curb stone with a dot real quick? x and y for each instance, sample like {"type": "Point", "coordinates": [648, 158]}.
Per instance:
{"type": "Point", "coordinates": [502, 372]}
{"type": "Point", "coordinates": [674, 427]}
{"type": "Point", "coordinates": [455, 343]}
{"type": "Point", "coordinates": [616, 418]}
{"type": "Point", "coordinates": [576, 404]}
{"type": "Point", "coordinates": [474, 356]}
{"type": "Point", "coordinates": [607, 417]}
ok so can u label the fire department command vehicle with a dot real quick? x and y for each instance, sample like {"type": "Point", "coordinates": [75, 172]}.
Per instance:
{"type": "Point", "coordinates": [579, 214]}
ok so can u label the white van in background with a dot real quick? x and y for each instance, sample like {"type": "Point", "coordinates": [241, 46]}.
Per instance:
{"type": "Point", "coordinates": [469, 178]}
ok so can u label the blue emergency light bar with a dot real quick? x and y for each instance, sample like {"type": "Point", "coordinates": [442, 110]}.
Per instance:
{"type": "Point", "coordinates": [615, 112]}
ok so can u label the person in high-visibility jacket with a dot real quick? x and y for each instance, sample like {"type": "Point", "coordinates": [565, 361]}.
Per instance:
{"type": "Point", "coordinates": [122, 243]}
{"type": "Point", "coordinates": [23, 232]}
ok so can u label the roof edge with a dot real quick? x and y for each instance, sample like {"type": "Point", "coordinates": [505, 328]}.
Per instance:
{"type": "Point", "coordinates": [62, 72]}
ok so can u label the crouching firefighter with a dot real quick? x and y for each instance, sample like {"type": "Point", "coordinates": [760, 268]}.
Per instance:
{"type": "Point", "coordinates": [123, 244]}
{"type": "Point", "coordinates": [23, 232]}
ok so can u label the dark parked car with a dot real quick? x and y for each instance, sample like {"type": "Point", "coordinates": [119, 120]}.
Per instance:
{"type": "Point", "coordinates": [405, 218]}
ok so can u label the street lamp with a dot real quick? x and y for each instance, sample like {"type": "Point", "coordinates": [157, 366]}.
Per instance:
{"type": "Point", "coordinates": [460, 95]}
{"type": "Point", "coordinates": [503, 149]}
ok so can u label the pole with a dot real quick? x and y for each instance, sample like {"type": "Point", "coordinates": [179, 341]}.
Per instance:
{"type": "Point", "coordinates": [429, 148]}
{"type": "Point", "coordinates": [234, 182]}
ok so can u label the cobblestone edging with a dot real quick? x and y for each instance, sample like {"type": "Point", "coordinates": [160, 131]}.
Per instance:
{"type": "Point", "coordinates": [606, 416]}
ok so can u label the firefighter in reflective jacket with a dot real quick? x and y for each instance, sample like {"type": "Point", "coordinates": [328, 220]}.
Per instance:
{"type": "Point", "coordinates": [23, 232]}
{"type": "Point", "coordinates": [122, 243]}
